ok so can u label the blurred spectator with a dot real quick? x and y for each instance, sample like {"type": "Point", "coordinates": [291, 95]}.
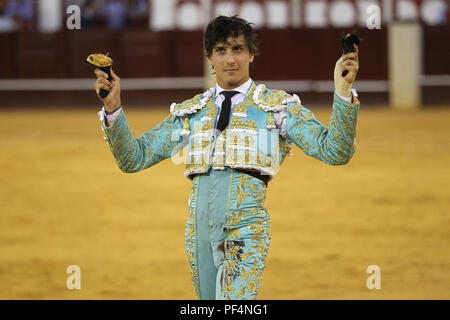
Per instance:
{"type": "Point", "coordinates": [89, 13]}
{"type": "Point", "coordinates": [79, 3]}
{"type": "Point", "coordinates": [22, 14]}
{"type": "Point", "coordinates": [443, 12]}
{"type": "Point", "coordinates": [138, 8]}
{"type": "Point", "coordinates": [138, 12]}
{"type": "Point", "coordinates": [6, 23]}
{"type": "Point", "coordinates": [115, 12]}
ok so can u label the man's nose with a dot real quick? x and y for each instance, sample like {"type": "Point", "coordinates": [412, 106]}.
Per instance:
{"type": "Point", "coordinates": [230, 59]}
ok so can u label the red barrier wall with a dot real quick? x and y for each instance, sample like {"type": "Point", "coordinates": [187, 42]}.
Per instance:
{"type": "Point", "coordinates": [288, 54]}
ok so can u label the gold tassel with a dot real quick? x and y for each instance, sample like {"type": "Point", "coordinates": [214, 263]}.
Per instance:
{"type": "Point", "coordinates": [270, 122]}
{"type": "Point", "coordinates": [185, 131]}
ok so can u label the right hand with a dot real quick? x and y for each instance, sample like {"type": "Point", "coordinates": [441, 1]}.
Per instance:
{"type": "Point", "coordinates": [112, 100]}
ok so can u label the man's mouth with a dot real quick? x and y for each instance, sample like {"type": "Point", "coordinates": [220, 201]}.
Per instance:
{"type": "Point", "coordinates": [231, 70]}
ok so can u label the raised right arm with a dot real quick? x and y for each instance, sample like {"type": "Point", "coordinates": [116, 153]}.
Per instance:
{"type": "Point", "coordinates": [134, 154]}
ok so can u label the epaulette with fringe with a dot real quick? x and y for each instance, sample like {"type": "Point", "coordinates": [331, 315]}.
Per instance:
{"type": "Point", "coordinates": [273, 101]}
{"type": "Point", "coordinates": [189, 107]}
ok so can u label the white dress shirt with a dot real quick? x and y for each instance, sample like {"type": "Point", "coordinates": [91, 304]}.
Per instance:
{"type": "Point", "coordinates": [235, 100]}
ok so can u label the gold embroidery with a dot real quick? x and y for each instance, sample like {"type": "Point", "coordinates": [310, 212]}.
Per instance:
{"type": "Point", "coordinates": [241, 292]}
{"type": "Point", "coordinates": [245, 256]}
{"type": "Point", "coordinates": [237, 123]}
{"type": "Point", "coordinates": [251, 287]}
{"type": "Point", "coordinates": [257, 228]}
{"type": "Point", "coordinates": [235, 234]}
{"type": "Point", "coordinates": [228, 287]}
{"type": "Point", "coordinates": [270, 121]}
{"type": "Point", "coordinates": [273, 98]}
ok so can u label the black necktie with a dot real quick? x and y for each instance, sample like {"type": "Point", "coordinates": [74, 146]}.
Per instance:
{"type": "Point", "coordinates": [225, 112]}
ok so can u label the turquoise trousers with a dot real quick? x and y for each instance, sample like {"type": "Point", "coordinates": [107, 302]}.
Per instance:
{"type": "Point", "coordinates": [227, 234]}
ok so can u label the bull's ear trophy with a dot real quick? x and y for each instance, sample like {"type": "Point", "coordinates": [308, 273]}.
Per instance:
{"type": "Point", "coordinates": [104, 63]}
{"type": "Point", "coordinates": [347, 42]}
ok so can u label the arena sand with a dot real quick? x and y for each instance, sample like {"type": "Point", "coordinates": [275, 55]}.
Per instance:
{"type": "Point", "coordinates": [64, 202]}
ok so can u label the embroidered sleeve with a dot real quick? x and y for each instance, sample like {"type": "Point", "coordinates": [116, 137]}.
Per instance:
{"type": "Point", "coordinates": [334, 144]}
{"type": "Point", "coordinates": [135, 154]}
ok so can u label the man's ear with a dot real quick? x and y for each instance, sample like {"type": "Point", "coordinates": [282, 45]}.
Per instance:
{"type": "Point", "coordinates": [209, 60]}
{"type": "Point", "coordinates": [252, 56]}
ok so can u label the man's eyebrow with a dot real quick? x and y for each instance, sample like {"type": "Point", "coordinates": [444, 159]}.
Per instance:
{"type": "Point", "coordinates": [233, 45]}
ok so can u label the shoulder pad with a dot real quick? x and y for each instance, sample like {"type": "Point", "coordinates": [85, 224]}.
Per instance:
{"type": "Point", "coordinates": [273, 100]}
{"type": "Point", "coordinates": [191, 106]}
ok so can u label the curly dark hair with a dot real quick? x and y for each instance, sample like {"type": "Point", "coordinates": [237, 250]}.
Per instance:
{"type": "Point", "coordinates": [221, 28]}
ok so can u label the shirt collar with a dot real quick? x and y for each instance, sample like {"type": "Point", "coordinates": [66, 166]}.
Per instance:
{"type": "Point", "coordinates": [243, 88]}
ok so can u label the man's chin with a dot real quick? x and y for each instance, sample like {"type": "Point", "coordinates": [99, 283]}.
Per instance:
{"type": "Point", "coordinates": [233, 82]}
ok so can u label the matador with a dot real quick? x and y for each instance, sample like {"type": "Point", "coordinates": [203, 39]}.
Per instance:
{"type": "Point", "coordinates": [236, 136]}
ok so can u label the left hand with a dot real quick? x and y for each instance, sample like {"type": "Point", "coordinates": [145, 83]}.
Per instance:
{"type": "Point", "coordinates": [349, 62]}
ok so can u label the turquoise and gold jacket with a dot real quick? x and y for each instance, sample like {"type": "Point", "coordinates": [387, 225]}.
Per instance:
{"type": "Point", "coordinates": [252, 141]}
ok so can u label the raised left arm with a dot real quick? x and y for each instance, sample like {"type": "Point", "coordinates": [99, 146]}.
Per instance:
{"type": "Point", "coordinates": [336, 143]}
